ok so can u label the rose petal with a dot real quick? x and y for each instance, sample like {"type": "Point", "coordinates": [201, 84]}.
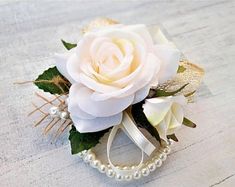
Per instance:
{"type": "Point", "coordinates": [177, 112]}
{"type": "Point", "coordinates": [173, 126]}
{"type": "Point", "coordinates": [73, 106]}
{"type": "Point", "coordinates": [125, 46]}
{"type": "Point", "coordinates": [143, 79]}
{"type": "Point", "coordinates": [105, 50]}
{"type": "Point", "coordinates": [105, 108]}
{"type": "Point", "coordinates": [167, 118]}
{"type": "Point", "coordinates": [101, 97]}
{"type": "Point", "coordinates": [101, 78]}
{"type": "Point", "coordinates": [142, 30]}
{"type": "Point", "coordinates": [82, 54]}
{"type": "Point", "coordinates": [136, 66]}
{"type": "Point", "coordinates": [137, 63]}
{"type": "Point", "coordinates": [122, 33]}
{"type": "Point", "coordinates": [155, 109]}
{"type": "Point", "coordinates": [96, 45]}
{"type": "Point", "coordinates": [169, 57]}
{"type": "Point", "coordinates": [61, 63]}
{"type": "Point", "coordinates": [155, 80]}
{"type": "Point", "coordinates": [180, 99]}
{"type": "Point", "coordinates": [73, 67]}
{"type": "Point", "coordinates": [95, 85]}
{"type": "Point", "coordinates": [97, 124]}
{"type": "Point", "coordinates": [130, 78]}
{"type": "Point", "coordinates": [148, 72]}
{"type": "Point", "coordinates": [84, 45]}
{"type": "Point", "coordinates": [141, 94]}
{"type": "Point", "coordinates": [122, 70]}
{"type": "Point", "coordinates": [162, 129]}
{"type": "Point", "coordinates": [158, 37]}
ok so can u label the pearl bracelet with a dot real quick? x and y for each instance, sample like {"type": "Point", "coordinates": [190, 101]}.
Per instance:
{"type": "Point", "coordinates": [155, 161]}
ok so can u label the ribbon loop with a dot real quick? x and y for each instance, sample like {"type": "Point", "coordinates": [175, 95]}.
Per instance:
{"type": "Point", "coordinates": [135, 134]}
{"type": "Point", "coordinates": [130, 129]}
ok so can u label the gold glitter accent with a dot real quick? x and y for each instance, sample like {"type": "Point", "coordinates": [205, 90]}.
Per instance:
{"type": "Point", "coordinates": [98, 23]}
{"type": "Point", "coordinates": [193, 75]}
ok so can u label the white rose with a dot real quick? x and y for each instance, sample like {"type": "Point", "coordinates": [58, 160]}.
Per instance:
{"type": "Point", "coordinates": [112, 68]}
{"type": "Point", "coordinates": [165, 113]}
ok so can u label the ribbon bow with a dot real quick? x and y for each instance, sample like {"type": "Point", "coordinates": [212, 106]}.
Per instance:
{"type": "Point", "coordinates": [129, 128]}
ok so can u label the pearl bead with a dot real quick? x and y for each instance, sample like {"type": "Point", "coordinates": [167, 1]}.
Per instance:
{"type": "Point", "coordinates": [128, 177]}
{"type": "Point", "coordinates": [118, 177]}
{"type": "Point", "coordinates": [54, 111]}
{"type": "Point", "coordinates": [96, 164]}
{"type": "Point", "coordinates": [145, 171]}
{"type": "Point", "coordinates": [162, 156]}
{"type": "Point", "coordinates": [102, 168]}
{"type": "Point", "coordinates": [167, 150]}
{"type": "Point", "coordinates": [118, 167]}
{"type": "Point", "coordinates": [64, 115]}
{"type": "Point", "coordinates": [109, 166]}
{"type": "Point", "coordinates": [86, 159]}
{"type": "Point", "coordinates": [89, 151]}
{"type": "Point", "coordinates": [137, 175]}
{"type": "Point", "coordinates": [80, 154]}
{"type": "Point", "coordinates": [126, 168]}
{"type": "Point", "coordinates": [169, 142]}
{"type": "Point", "coordinates": [132, 167]}
{"type": "Point", "coordinates": [91, 157]}
{"type": "Point", "coordinates": [110, 173]}
{"type": "Point", "coordinates": [152, 166]}
{"type": "Point", "coordinates": [84, 151]}
{"type": "Point", "coordinates": [158, 162]}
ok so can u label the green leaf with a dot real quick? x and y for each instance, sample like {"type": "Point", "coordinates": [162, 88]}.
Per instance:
{"type": "Point", "coordinates": [52, 81]}
{"type": "Point", "coordinates": [189, 94]}
{"type": "Point", "coordinates": [188, 123]}
{"type": "Point", "coordinates": [181, 69]}
{"type": "Point", "coordinates": [163, 93]}
{"type": "Point", "coordinates": [172, 137]}
{"type": "Point", "coordinates": [68, 45]}
{"type": "Point", "coordinates": [142, 121]}
{"type": "Point", "coordinates": [84, 141]}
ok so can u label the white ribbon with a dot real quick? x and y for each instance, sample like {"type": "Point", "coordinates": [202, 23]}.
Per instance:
{"type": "Point", "coordinates": [130, 129]}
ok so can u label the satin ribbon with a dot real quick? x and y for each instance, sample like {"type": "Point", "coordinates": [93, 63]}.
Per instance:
{"type": "Point", "coordinates": [130, 129]}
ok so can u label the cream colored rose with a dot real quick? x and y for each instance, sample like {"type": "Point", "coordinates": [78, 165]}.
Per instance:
{"type": "Point", "coordinates": [165, 114]}
{"type": "Point", "coordinates": [112, 68]}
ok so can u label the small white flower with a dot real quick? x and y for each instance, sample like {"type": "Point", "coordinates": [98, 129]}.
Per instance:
{"type": "Point", "coordinates": [112, 68]}
{"type": "Point", "coordinates": [165, 113]}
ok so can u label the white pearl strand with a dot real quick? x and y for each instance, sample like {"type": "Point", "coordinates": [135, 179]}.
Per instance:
{"type": "Point", "coordinates": [89, 156]}
{"type": "Point", "coordinates": [56, 111]}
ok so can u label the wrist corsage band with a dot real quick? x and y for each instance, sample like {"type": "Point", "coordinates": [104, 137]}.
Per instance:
{"type": "Point", "coordinates": [118, 77]}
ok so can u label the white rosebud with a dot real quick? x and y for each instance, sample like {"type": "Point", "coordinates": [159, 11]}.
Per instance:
{"type": "Point", "coordinates": [165, 113]}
